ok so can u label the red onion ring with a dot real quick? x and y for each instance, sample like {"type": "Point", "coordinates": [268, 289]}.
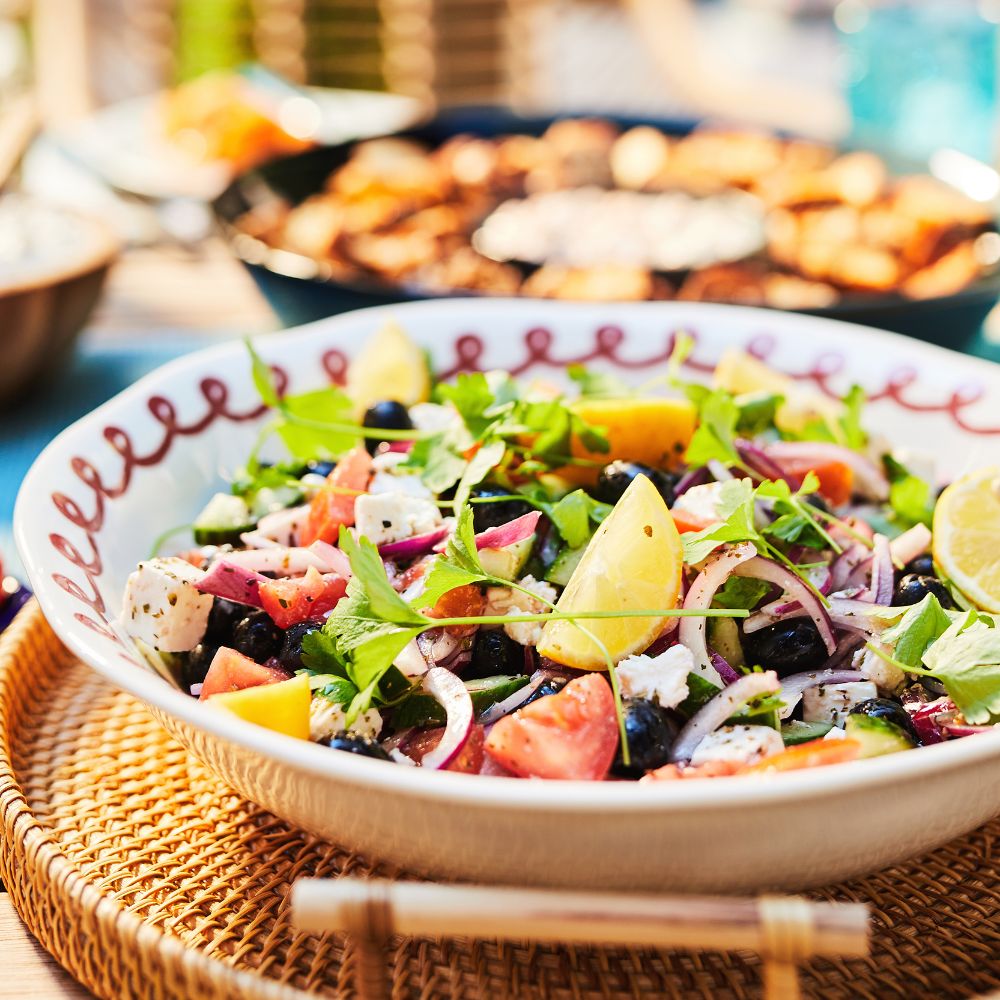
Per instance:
{"type": "Point", "coordinates": [724, 670]}
{"type": "Point", "coordinates": [692, 630]}
{"type": "Point", "coordinates": [842, 569]}
{"type": "Point", "coordinates": [762, 463]}
{"type": "Point", "coordinates": [510, 533]}
{"type": "Point", "coordinates": [720, 707]}
{"type": "Point", "coordinates": [883, 572]}
{"type": "Point", "coordinates": [965, 729]}
{"type": "Point", "coordinates": [410, 548]}
{"type": "Point", "coordinates": [232, 582]}
{"type": "Point", "coordinates": [696, 477]}
{"type": "Point", "coordinates": [453, 696]}
{"type": "Point", "coordinates": [281, 526]}
{"type": "Point", "coordinates": [868, 477]}
{"type": "Point", "coordinates": [760, 568]}
{"type": "Point", "coordinates": [513, 701]}
{"type": "Point", "coordinates": [292, 561]}
{"type": "Point", "coordinates": [792, 687]}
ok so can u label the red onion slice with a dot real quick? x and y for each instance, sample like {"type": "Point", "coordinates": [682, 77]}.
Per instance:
{"type": "Point", "coordinates": [868, 477]}
{"type": "Point", "coordinates": [930, 719]}
{"type": "Point", "coordinates": [883, 572]}
{"type": "Point", "coordinates": [232, 582]}
{"type": "Point", "coordinates": [762, 463]}
{"type": "Point", "coordinates": [911, 544]}
{"type": "Point", "coordinates": [719, 708]}
{"type": "Point", "coordinates": [965, 729]}
{"type": "Point", "coordinates": [410, 548]}
{"type": "Point", "coordinates": [692, 630]}
{"type": "Point", "coordinates": [696, 477]}
{"type": "Point", "coordinates": [282, 525]}
{"type": "Point", "coordinates": [726, 673]}
{"type": "Point", "coordinates": [292, 561]}
{"type": "Point", "coordinates": [793, 686]}
{"type": "Point", "coordinates": [510, 533]}
{"type": "Point", "coordinates": [453, 696]}
{"type": "Point", "coordinates": [760, 568]}
{"type": "Point", "coordinates": [849, 565]}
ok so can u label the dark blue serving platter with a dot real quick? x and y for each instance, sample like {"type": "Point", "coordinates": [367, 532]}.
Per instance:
{"type": "Point", "coordinates": [300, 292]}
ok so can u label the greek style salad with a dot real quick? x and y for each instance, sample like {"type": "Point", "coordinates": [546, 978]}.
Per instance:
{"type": "Point", "coordinates": [613, 583]}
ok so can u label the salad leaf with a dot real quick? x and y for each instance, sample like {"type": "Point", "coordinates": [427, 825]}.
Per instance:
{"type": "Point", "coordinates": [735, 508]}
{"type": "Point", "coordinates": [330, 405]}
{"type": "Point", "coordinates": [910, 497]}
{"type": "Point", "coordinates": [850, 423]}
{"type": "Point", "coordinates": [472, 396]}
{"type": "Point", "coordinates": [598, 385]}
{"type": "Point", "coordinates": [741, 592]}
{"type": "Point", "coordinates": [718, 416]}
{"type": "Point", "coordinates": [263, 378]}
{"type": "Point", "coordinates": [573, 515]}
{"type": "Point", "coordinates": [920, 626]}
{"type": "Point", "coordinates": [757, 412]}
{"type": "Point", "coordinates": [796, 521]}
{"type": "Point", "coordinates": [966, 659]}
{"type": "Point", "coordinates": [477, 468]}
{"type": "Point", "coordinates": [458, 566]}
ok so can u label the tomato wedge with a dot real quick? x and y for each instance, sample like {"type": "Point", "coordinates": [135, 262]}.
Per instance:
{"type": "Point", "coordinates": [466, 601]}
{"type": "Point", "coordinates": [816, 753]}
{"type": "Point", "coordinates": [232, 671]}
{"type": "Point", "coordinates": [297, 599]}
{"type": "Point", "coordinates": [572, 734]}
{"type": "Point", "coordinates": [836, 479]}
{"type": "Point", "coordinates": [333, 505]}
{"type": "Point", "coordinates": [469, 759]}
{"type": "Point", "coordinates": [688, 522]}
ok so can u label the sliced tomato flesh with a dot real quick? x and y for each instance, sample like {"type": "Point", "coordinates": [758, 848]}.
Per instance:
{"type": "Point", "coordinates": [291, 600]}
{"type": "Point", "coordinates": [572, 734]}
{"type": "Point", "coordinates": [686, 522]}
{"type": "Point", "coordinates": [836, 479]}
{"type": "Point", "coordinates": [232, 671]}
{"type": "Point", "coordinates": [468, 760]}
{"type": "Point", "coordinates": [333, 505]}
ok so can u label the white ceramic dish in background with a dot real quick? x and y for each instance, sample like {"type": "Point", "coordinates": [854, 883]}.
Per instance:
{"type": "Point", "coordinates": [149, 458]}
{"type": "Point", "coordinates": [123, 143]}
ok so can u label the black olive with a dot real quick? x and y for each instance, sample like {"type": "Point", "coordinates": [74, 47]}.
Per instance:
{"type": "Point", "coordinates": [551, 685]}
{"type": "Point", "coordinates": [290, 656]}
{"type": "Point", "coordinates": [489, 515]}
{"type": "Point", "coordinates": [222, 620]}
{"type": "Point", "coordinates": [815, 500]}
{"type": "Point", "coordinates": [921, 566]}
{"type": "Point", "coordinates": [387, 415]}
{"type": "Point", "coordinates": [888, 711]}
{"type": "Point", "coordinates": [194, 665]}
{"type": "Point", "coordinates": [912, 589]}
{"type": "Point", "coordinates": [493, 653]}
{"type": "Point", "coordinates": [364, 746]}
{"type": "Point", "coordinates": [650, 733]}
{"type": "Point", "coordinates": [319, 468]}
{"type": "Point", "coordinates": [614, 479]}
{"type": "Point", "coordinates": [258, 637]}
{"type": "Point", "coordinates": [787, 647]}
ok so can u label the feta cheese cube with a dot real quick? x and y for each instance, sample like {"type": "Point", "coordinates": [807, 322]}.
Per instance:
{"type": "Point", "coordinates": [327, 719]}
{"type": "Point", "coordinates": [701, 502]}
{"type": "Point", "coordinates": [833, 702]}
{"type": "Point", "coordinates": [163, 609]}
{"type": "Point", "coordinates": [389, 479]}
{"type": "Point", "coordinates": [505, 601]}
{"type": "Point", "coordinates": [391, 517]}
{"type": "Point", "coordinates": [744, 744]}
{"type": "Point", "coordinates": [661, 678]}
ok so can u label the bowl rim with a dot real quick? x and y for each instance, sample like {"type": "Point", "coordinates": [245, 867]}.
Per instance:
{"type": "Point", "coordinates": [480, 791]}
{"type": "Point", "coordinates": [106, 247]}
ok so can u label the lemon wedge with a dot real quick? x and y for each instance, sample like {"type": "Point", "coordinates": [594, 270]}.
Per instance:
{"type": "Point", "coordinates": [389, 366]}
{"type": "Point", "coordinates": [282, 707]}
{"type": "Point", "coordinates": [634, 561]}
{"type": "Point", "coordinates": [966, 530]}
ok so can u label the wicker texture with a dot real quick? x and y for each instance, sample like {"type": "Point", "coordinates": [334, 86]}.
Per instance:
{"type": "Point", "coordinates": [146, 878]}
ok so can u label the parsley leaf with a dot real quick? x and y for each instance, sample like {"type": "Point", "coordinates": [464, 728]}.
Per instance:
{"type": "Point", "coordinates": [735, 509]}
{"type": "Point", "coordinates": [796, 522]}
{"type": "Point", "coordinates": [573, 515]}
{"type": "Point", "coordinates": [487, 458]}
{"type": "Point", "coordinates": [472, 396]}
{"type": "Point", "coordinates": [910, 497]}
{"type": "Point", "coordinates": [459, 566]}
{"type": "Point", "coordinates": [741, 592]}
{"type": "Point", "coordinates": [330, 405]}
{"type": "Point", "coordinates": [263, 378]}
{"type": "Point", "coordinates": [850, 423]}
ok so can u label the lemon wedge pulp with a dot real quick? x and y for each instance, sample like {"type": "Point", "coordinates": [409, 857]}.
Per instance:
{"type": "Point", "coordinates": [633, 562]}
{"type": "Point", "coordinates": [389, 366]}
{"type": "Point", "coordinates": [966, 530]}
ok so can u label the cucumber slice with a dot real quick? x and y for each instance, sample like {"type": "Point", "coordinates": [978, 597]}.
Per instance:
{"type": "Point", "coordinates": [724, 638]}
{"type": "Point", "coordinates": [507, 563]}
{"type": "Point", "coordinates": [562, 567]}
{"type": "Point", "coordinates": [795, 732]}
{"type": "Point", "coordinates": [223, 520]}
{"type": "Point", "coordinates": [423, 710]}
{"type": "Point", "coordinates": [877, 736]}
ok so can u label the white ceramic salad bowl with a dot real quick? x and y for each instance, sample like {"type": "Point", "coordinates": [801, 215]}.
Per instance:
{"type": "Point", "coordinates": [149, 459]}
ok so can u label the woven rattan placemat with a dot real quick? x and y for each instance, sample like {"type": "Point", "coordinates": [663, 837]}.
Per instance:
{"type": "Point", "coordinates": [145, 877]}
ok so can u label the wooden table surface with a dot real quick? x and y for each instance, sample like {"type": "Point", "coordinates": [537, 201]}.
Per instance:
{"type": "Point", "coordinates": [151, 292]}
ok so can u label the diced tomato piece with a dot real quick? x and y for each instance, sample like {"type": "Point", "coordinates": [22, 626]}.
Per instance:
{"type": "Point", "coordinates": [297, 599]}
{"type": "Point", "coordinates": [572, 734]}
{"type": "Point", "coordinates": [232, 671]}
{"type": "Point", "coordinates": [816, 753]}
{"type": "Point", "coordinates": [196, 557]}
{"type": "Point", "coordinates": [333, 505]}
{"type": "Point", "coordinates": [469, 759]}
{"type": "Point", "coordinates": [686, 521]}
{"type": "Point", "coordinates": [710, 769]}
{"type": "Point", "coordinates": [462, 602]}
{"type": "Point", "coordinates": [836, 479]}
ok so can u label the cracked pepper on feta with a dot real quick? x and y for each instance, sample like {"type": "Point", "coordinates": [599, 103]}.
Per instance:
{"type": "Point", "coordinates": [357, 588]}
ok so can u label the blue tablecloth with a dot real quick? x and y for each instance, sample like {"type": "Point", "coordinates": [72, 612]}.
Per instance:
{"type": "Point", "coordinates": [97, 372]}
